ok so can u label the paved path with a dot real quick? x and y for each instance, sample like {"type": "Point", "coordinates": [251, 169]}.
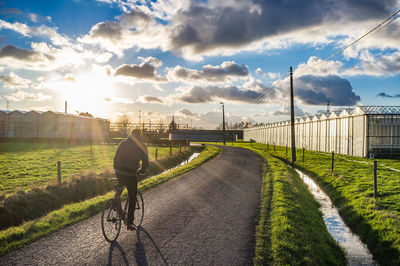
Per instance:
{"type": "Point", "coordinates": [206, 217]}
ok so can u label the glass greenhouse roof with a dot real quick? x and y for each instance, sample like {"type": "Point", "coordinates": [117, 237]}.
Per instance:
{"type": "Point", "coordinates": [381, 110]}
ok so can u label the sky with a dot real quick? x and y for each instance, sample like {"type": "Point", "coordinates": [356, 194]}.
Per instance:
{"type": "Point", "coordinates": [184, 58]}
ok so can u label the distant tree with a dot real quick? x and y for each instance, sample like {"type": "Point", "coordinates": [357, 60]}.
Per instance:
{"type": "Point", "coordinates": [85, 114]}
{"type": "Point", "coordinates": [172, 126]}
{"type": "Point", "coordinates": [122, 123]}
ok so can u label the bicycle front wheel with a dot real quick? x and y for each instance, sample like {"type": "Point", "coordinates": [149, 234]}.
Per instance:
{"type": "Point", "coordinates": [110, 221]}
{"type": "Point", "coordinates": [139, 210]}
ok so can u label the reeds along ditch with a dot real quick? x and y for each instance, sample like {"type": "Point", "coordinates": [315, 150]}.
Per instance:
{"type": "Point", "coordinates": [35, 202]}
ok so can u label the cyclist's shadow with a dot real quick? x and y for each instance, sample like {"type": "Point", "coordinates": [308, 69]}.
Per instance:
{"type": "Point", "coordinates": [139, 251]}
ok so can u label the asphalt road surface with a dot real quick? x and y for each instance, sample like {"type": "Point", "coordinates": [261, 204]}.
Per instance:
{"type": "Point", "coordinates": [206, 217]}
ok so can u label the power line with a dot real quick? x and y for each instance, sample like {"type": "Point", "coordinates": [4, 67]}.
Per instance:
{"type": "Point", "coordinates": [370, 33]}
{"type": "Point", "coordinates": [377, 28]}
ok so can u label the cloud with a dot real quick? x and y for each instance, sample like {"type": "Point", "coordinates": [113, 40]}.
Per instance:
{"type": "Point", "coordinates": [145, 70]}
{"type": "Point", "coordinates": [132, 29]}
{"type": "Point", "coordinates": [69, 77]}
{"type": "Point", "coordinates": [197, 94]}
{"type": "Point", "coordinates": [384, 95]}
{"type": "Point", "coordinates": [33, 17]}
{"type": "Point", "coordinates": [18, 96]}
{"type": "Point", "coordinates": [225, 72]}
{"type": "Point", "coordinates": [367, 64]}
{"type": "Point", "coordinates": [285, 110]}
{"type": "Point", "coordinates": [270, 75]}
{"type": "Point", "coordinates": [149, 99]}
{"type": "Point", "coordinates": [208, 120]}
{"type": "Point", "coordinates": [205, 28]}
{"type": "Point", "coordinates": [119, 100]}
{"type": "Point", "coordinates": [185, 113]}
{"type": "Point", "coordinates": [21, 54]}
{"type": "Point", "coordinates": [13, 81]}
{"type": "Point", "coordinates": [318, 90]}
{"type": "Point", "coordinates": [5, 10]}
{"type": "Point", "coordinates": [11, 55]}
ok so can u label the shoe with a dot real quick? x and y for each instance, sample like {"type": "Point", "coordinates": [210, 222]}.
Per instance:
{"type": "Point", "coordinates": [131, 227]}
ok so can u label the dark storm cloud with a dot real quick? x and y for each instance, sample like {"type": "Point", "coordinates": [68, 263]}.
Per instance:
{"type": "Point", "coordinates": [318, 90]}
{"type": "Point", "coordinates": [23, 54]}
{"type": "Point", "coordinates": [384, 95]}
{"type": "Point", "coordinates": [199, 94]}
{"type": "Point", "coordinates": [145, 70]}
{"type": "Point", "coordinates": [210, 73]}
{"type": "Point", "coordinates": [203, 27]}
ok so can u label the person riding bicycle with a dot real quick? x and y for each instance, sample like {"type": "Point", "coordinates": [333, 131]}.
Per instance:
{"type": "Point", "coordinates": [126, 165]}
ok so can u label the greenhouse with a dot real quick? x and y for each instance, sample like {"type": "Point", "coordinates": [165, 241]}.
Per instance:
{"type": "Point", "coordinates": [364, 131]}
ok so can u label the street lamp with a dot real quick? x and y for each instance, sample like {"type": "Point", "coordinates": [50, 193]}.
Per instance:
{"type": "Point", "coordinates": [223, 121]}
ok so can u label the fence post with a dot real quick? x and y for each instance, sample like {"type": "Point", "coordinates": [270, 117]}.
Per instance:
{"type": "Point", "coordinates": [333, 159]}
{"type": "Point", "coordinates": [303, 155]}
{"type": "Point", "coordinates": [375, 180]}
{"type": "Point", "coordinates": [156, 153]}
{"type": "Point", "coordinates": [286, 150]}
{"type": "Point", "coordinates": [59, 172]}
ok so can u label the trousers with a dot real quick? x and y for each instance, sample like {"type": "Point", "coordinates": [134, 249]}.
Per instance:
{"type": "Point", "coordinates": [131, 184]}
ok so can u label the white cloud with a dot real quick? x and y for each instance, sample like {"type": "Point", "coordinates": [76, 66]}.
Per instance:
{"type": "Point", "coordinates": [13, 81]}
{"type": "Point", "coordinates": [18, 96]}
{"type": "Point", "coordinates": [225, 72]}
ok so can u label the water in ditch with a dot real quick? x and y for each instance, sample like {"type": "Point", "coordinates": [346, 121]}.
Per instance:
{"type": "Point", "coordinates": [192, 157]}
{"type": "Point", "coordinates": [357, 252]}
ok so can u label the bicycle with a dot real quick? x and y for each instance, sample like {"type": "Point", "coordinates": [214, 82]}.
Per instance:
{"type": "Point", "coordinates": [113, 215]}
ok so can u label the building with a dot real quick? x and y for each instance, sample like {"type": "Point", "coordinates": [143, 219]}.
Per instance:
{"type": "Point", "coordinates": [358, 132]}
{"type": "Point", "coordinates": [3, 123]}
{"type": "Point", "coordinates": [52, 126]}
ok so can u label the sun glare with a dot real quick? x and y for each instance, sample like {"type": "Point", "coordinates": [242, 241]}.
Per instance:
{"type": "Point", "coordinates": [87, 93]}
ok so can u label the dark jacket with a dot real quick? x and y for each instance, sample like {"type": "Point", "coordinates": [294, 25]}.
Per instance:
{"type": "Point", "coordinates": [128, 155]}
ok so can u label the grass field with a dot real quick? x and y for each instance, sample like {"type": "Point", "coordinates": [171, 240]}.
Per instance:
{"type": "Point", "coordinates": [19, 236]}
{"type": "Point", "coordinates": [350, 187]}
{"type": "Point", "coordinates": [27, 164]}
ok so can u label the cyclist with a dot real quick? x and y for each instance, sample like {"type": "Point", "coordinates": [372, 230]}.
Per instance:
{"type": "Point", "coordinates": [126, 165]}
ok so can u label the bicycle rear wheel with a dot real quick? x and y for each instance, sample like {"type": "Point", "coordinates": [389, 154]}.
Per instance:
{"type": "Point", "coordinates": [139, 209]}
{"type": "Point", "coordinates": [110, 221]}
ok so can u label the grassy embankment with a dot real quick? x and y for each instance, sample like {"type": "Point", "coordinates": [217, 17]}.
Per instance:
{"type": "Point", "coordinates": [350, 187]}
{"type": "Point", "coordinates": [27, 164]}
{"type": "Point", "coordinates": [290, 228]}
{"type": "Point", "coordinates": [17, 237]}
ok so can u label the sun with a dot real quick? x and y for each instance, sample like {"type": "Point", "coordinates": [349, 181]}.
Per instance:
{"type": "Point", "coordinates": [87, 93]}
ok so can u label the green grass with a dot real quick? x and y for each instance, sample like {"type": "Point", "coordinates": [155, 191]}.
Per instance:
{"type": "Point", "coordinates": [19, 236]}
{"type": "Point", "coordinates": [27, 164]}
{"type": "Point", "coordinates": [36, 201]}
{"type": "Point", "coordinates": [350, 187]}
{"type": "Point", "coordinates": [290, 228]}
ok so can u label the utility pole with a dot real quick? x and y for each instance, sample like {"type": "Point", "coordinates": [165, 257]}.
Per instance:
{"type": "Point", "coordinates": [8, 105]}
{"type": "Point", "coordinates": [223, 121]}
{"type": "Point", "coordinates": [139, 118]}
{"type": "Point", "coordinates": [292, 118]}
{"type": "Point", "coordinates": [327, 107]}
